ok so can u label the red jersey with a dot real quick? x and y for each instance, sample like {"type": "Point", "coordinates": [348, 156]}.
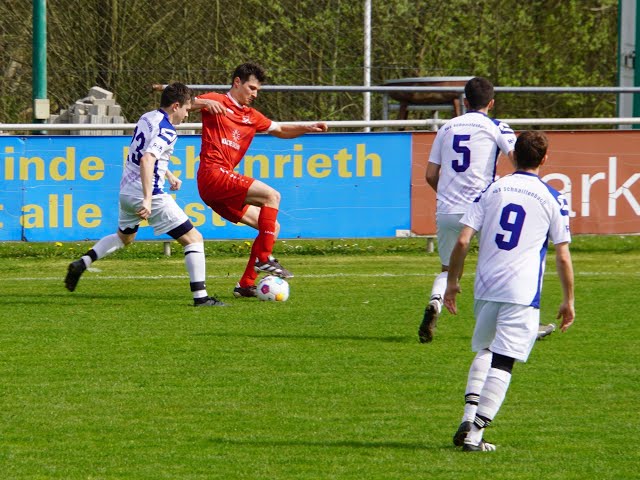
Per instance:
{"type": "Point", "coordinates": [226, 138]}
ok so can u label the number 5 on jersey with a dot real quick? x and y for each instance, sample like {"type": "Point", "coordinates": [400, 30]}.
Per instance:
{"type": "Point", "coordinates": [457, 164]}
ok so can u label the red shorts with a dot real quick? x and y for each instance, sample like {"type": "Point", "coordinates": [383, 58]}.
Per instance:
{"type": "Point", "coordinates": [224, 191]}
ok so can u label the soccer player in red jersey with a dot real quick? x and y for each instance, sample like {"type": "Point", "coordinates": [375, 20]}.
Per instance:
{"type": "Point", "coordinates": [229, 124]}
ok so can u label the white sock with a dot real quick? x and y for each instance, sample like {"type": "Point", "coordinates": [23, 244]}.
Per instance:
{"type": "Point", "coordinates": [87, 260]}
{"type": "Point", "coordinates": [474, 436]}
{"type": "Point", "coordinates": [439, 286]}
{"type": "Point", "coordinates": [105, 246]}
{"type": "Point", "coordinates": [196, 267]}
{"type": "Point", "coordinates": [493, 393]}
{"type": "Point", "coordinates": [475, 382]}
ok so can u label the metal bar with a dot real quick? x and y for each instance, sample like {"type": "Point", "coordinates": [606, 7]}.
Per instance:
{"type": "Point", "coordinates": [68, 126]}
{"type": "Point", "coordinates": [39, 53]}
{"type": "Point", "coordinates": [420, 106]}
{"type": "Point", "coordinates": [417, 88]}
{"type": "Point", "coordinates": [335, 124]}
{"type": "Point", "coordinates": [367, 62]}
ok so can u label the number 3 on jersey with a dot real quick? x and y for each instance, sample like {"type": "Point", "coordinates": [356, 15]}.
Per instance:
{"type": "Point", "coordinates": [136, 155]}
{"type": "Point", "coordinates": [512, 221]}
{"type": "Point", "coordinates": [457, 164]}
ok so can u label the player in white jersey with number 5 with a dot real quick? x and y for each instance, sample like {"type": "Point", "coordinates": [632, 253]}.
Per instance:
{"type": "Point", "coordinates": [462, 163]}
{"type": "Point", "coordinates": [142, 196]}
{"type": "Point", "coordinates": [517, 216]}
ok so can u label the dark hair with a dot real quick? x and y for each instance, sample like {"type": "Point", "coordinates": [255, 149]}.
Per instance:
{"type": "Point", "coordinates": [175, 92]}
{"type": "Point", "coordinates": [479, 92]}
{"type": "Point", "coordinates": [530, 149]}
{"type": "Point", "coordinates": [244, 71]}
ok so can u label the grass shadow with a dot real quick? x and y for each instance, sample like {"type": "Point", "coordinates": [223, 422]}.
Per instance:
{"type": "Point", "coordinates": [413, 446]}
{"type": "Point", "coordinates": [306, 336]}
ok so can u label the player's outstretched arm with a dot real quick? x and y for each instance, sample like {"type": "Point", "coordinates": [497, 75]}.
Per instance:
{"type": "Point", "coordinates": [285, 130]}
{"type": "Point", "coordinates": [564, 266]}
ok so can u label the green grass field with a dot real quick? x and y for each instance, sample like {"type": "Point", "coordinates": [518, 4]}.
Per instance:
{"type": "Point", "coordinates": [123, 379]}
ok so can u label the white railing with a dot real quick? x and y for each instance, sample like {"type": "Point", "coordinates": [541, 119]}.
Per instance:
{"type": "Point", "coordinates": [424, 123]}
{"type": "Point", "coordinates": [405, 88]}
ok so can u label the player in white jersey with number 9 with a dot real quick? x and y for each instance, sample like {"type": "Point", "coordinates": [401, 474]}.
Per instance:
{"type": "Point", "coordinates": [517, 215]}
{"type": "Point", "coordinates": [142, 196]}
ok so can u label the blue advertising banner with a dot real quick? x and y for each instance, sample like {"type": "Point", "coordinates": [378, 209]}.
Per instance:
{"type": "Point", "coordinates": [65, 188]}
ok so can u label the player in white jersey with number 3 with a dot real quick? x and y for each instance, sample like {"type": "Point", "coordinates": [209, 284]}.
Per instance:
{"type": "Point", "coordinates": [517, 216]}
{"type": "Point", "coordinates": [462, 163]}
{"type": "Point", "coordinates": [142, 196]}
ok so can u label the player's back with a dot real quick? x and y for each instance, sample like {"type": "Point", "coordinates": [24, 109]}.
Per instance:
{"type": "Point", "coordinates": [154, 133]}
{"type": "Point", "coordinates": [520, 213]}
{"type": "Point", "coordinates": [467, 149]}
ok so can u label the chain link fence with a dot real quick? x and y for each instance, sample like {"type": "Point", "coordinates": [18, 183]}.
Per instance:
{"type": "Point", "coordinates": [125, 46]}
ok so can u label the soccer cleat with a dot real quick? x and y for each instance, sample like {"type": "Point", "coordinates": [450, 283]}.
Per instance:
{"type": "Point", "coordinates": [272, 267]}
{"type": "Point", "coordinates": [428, 325]}
{"type": "Point", "coordinates": [240, 292]}
{"type": "Point", "coordinates": [481, 447]}
{"type": "Point", "coordinates": [75, 270]}
{"type": "Point", "coordinates": [461, 434]}
{"type": "Point", "coordinates": [209, 302]}
{"type": "Point", "coordinates": [545, 330]}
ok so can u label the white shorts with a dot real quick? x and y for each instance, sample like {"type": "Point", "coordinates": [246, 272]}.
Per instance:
{"type": "Point", "coordinates": [165, 213]}
{"type": "Point", "coordinates": [448, 228]}
{"type": "Point", "coordinates": [505, 328]}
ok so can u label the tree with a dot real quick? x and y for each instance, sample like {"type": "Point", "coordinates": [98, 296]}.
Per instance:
{"type": "Point", "coordinates": [127, 45]}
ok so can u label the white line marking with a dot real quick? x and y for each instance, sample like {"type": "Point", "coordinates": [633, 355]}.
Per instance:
{"type": "Point", "coordinates": [97, 276]}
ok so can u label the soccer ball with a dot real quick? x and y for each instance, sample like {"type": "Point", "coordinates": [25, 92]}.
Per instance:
{"type": "Point", "coordinates": [273, 289]}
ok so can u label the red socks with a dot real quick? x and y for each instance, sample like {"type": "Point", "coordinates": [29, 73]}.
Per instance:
{"type": "Point", "coordinates": [267, 232]}
{"type": "Point", "coordinates": [262, 245]}
{"type": "Point", "coordinates": [249, 276]}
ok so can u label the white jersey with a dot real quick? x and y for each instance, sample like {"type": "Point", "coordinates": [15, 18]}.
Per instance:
{"type": "Point", "coordinates": [517, 215]}
{"type": "Point", "coordinates": [467, 149]}
{"type": "Point", "coordinates": [155, 134]}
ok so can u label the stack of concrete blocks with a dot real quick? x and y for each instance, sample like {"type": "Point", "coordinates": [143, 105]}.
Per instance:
{"type": "Point", "coordinates": [97, 107]}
